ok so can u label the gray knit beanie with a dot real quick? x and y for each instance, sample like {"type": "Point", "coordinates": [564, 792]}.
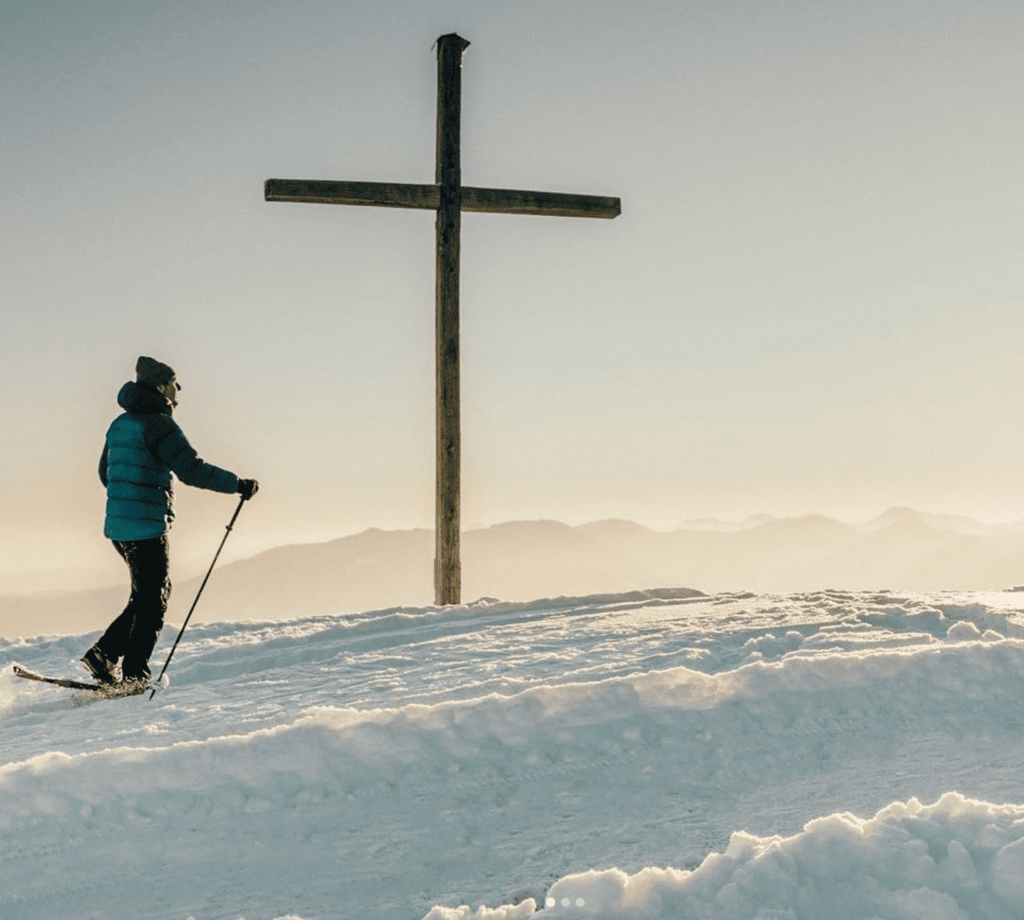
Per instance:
{"type": "Point", "coordinates": [153, 372]}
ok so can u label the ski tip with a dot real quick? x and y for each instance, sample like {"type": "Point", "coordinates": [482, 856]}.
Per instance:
{"type": "Point", "coordinates": [67, 683]}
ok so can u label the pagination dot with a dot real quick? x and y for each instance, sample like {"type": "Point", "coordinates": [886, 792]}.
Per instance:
{"type": "Point", "coordinates": [551, 902]}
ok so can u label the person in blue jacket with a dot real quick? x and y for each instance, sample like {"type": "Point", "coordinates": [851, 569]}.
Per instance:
{"type": "Point", "coordinates": [144, 445]}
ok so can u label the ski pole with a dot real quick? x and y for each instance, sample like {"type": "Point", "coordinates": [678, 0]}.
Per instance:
{"type": "Point", "coordinates": [181, 632]}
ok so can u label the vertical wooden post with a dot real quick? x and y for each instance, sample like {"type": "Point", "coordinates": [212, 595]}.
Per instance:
{"type": "Point", "coordinates": [448, 176]}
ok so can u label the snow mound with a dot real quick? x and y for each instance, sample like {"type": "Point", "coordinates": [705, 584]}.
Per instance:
{"type": "Point", "coordinates": [958, 859]}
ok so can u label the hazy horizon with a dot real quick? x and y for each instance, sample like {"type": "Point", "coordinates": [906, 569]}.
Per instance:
{"type": "Point", "coordinates": [811, 302]}
{"type": "Point", "coordinates": [110, 571]}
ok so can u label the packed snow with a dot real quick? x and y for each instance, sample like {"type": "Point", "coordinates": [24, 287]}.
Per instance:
{"type": "Point", "coordinates": [659, 754]}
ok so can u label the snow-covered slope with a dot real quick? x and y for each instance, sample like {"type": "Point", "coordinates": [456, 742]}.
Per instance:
{"type": "Point", "coordinates": [656, 754]}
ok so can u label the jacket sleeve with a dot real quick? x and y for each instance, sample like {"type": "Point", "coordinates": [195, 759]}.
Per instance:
{"type": "Point", "coordinates": [103, 464]}
{"type": "Point", "coordinates": [168, 443]}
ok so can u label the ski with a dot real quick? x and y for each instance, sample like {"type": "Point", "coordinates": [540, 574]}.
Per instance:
{"type": "Point", "coordinates": [59, 681]}
{"type": "Point", "coordinates": [105, 689]}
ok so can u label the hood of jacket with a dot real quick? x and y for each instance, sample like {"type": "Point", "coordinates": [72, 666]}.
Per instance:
{"type": "Point", "coordinates": [140, 399]}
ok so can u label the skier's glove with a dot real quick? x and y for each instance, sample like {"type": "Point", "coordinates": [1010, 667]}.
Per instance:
{"type": "Point", "coordinates": [247, 488]}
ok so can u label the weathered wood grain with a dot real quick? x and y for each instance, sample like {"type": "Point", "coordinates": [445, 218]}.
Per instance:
{"type": "Point", "coordinates": [448, 177]}
{"type": "Point", "coordinates": [428, 198]}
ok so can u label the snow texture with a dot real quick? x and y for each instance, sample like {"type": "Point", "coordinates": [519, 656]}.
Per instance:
{"type": "Point", "coordinates": [659, 754]}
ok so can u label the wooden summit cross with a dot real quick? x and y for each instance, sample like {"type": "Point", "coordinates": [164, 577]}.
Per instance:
{"type": "Point", "coordinates": [449, 198]}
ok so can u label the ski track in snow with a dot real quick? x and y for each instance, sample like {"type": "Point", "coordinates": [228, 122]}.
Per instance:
{"type": "Point", "coordinates": [653, 754]}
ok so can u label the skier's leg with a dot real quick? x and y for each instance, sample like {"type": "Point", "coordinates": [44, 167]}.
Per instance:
{"type": "Point", "coordinates": [114, 642]}
{"type": "Point", "coordinates": [102, 658]}
{"type": "Point", "coordinates": [151, 588]}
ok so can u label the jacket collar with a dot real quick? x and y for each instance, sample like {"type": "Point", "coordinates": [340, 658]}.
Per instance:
{"type": "Point", "coordinates": [140, 399]}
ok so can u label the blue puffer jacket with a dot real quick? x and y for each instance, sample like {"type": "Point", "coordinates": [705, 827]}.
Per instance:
{"type": "Point", "coordinates": [143, 447]}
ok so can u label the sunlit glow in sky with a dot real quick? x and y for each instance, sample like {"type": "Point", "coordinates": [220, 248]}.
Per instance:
{"type": "Point", "coordinates": [811, 301]}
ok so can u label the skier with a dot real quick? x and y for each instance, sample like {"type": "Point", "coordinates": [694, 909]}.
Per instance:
{"type": "Point", "coordinates": [144, 445]}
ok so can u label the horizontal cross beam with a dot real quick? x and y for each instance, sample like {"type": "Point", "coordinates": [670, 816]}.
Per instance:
{"type": "Point", "coordinates": [428, 197]}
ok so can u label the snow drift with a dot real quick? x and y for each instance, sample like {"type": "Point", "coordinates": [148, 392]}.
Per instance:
{"type": "Point", "coordinates": [654, 754]}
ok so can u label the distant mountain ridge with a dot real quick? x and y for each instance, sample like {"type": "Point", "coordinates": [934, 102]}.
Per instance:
{"type": "Point", "coordinates": [895, 514]}
{"type": "Point", "coordinates": [901, 549]}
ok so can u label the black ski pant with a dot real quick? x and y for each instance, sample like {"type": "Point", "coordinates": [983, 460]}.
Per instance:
{"type": "Point", "coordinates": [132, 636]}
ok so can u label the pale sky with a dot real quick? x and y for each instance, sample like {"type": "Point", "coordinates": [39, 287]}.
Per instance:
{"type": "Point", "coordinates": [812, 301]}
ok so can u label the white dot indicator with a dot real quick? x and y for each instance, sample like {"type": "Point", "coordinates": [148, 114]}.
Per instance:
{"type": "Point", "coordinates": [551, 902]}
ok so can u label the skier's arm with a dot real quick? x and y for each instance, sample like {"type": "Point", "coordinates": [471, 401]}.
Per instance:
{"type": "Point", "coordinates": [103, 465]}
{"type": "Point", "coordinates": [167, 442]}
